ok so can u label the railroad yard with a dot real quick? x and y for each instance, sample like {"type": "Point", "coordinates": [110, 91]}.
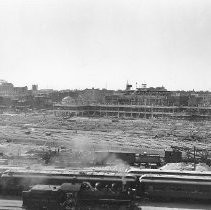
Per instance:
{"type": "Point", "coordinates": [22, 134]}
{"type": "Point", "coordinates": [25, 137]}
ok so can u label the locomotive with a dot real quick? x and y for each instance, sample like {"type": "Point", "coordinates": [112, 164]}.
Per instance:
{"type": "Point", "coordinates": [78, 196]}
{"type": "Point", "coordinates": [15, 181]}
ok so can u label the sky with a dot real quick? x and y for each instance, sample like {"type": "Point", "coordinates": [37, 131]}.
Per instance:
{"type": "Point", "coordinates": [77, 44]}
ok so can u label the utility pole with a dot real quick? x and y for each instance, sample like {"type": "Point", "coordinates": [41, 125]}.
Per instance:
{"type": "Point", "coordinates": [194, 153]}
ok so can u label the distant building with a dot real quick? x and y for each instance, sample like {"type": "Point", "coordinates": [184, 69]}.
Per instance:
{"type": "Point", "coordinates": [141, 96]}
{"type": "Point", "coordinates": [19, 91]}
{"type": "Point", "coordinates": [178, 98]}
{"type": "Point", "coordinates": [68, 100]}
{"type": "Point", "coordinates": [94, 96]}
{"type": "Point", "coordinates": [34, 88]}
{"type": "Point", "coordinates": [205, 98]}
{"type": "Point", "coordinates": [8, 89]}
{"type": "Point", "coordinates": [45, 91]}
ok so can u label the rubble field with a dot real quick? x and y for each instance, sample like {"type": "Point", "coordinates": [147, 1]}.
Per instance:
{"type": "Point", "coordinates": [23, 132]}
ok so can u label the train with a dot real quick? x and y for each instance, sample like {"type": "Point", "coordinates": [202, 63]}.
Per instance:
{"type": "Point", "coordinates": [52, 187]}
{"type": "Point", "coordinates": [15, 181]}
{"type": "Point", "coordinates": [150, 186]}
{"type": "Point", "coordinates": [78, 196]}
{"type": "Point", "coordinates": [102, 157]}
{"type": "Point", "coordinates": [154, 161]}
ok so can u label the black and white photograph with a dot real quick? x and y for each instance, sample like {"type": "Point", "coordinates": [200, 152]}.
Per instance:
{"type": "Point", "coordinates": [105, 104]}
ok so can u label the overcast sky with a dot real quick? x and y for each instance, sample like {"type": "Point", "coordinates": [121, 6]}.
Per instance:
{"type": "Point", "coordinates": [80, 44]}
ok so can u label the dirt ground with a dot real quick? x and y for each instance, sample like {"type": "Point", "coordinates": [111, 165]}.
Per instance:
{"type": "Point", "coordinates": [20, 133]}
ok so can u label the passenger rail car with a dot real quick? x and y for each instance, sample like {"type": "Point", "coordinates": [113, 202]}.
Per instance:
{"type": "Point", "coordinates": [175, 187]}
{"type": "Point", "coordinates": [139, 172]}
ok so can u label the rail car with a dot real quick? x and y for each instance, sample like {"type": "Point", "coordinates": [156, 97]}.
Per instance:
{"type": "Point", "coordinates": [131, 158]}
{"type": "Point", "coordinates": [77, 196]}
{"type": "Point", "coordinates": [139, 172]}
{"type": "Point", "coordinates": [16, 181]}
{"type": "Point", "coordinates": [102, 157]}
{"type": "Point", "coordinates": [148, 160]}
{"type": "Point", "coordinates": [175, 187]}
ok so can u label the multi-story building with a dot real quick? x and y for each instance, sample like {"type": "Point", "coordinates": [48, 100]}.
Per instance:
{"type": "Point", "coordinates": [205, 98]}
{"type": "Point", "coordinates": [141, 96]}
{"type": "Point", "coordinates": [20, 91]}
{"type": "Point", "coordinates": [8, 89]}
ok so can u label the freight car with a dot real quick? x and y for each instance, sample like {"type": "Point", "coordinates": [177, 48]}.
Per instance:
{"type": "Point", "coordinates": [148, 160]}
{"type": "Point", "coordinates": [102, 157]}
{"type": "Point", "coordinates": [77, 196]}
{"type": "Point", "coordinates": [175, 187]}
{"type": "Point", "coordinates": [130, 158]}
{"type": "Point", "coordinates": [15, 181]}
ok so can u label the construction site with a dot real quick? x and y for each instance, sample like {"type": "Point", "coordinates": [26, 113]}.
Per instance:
{"type": "Point", "coordinates": [133, 111]}
{"type": "Point", "coordinates": [142, 102]}
{"type": "Point", "coordinates": [86, 145]}
{"type": "Point", "coordinates": [106, 151]}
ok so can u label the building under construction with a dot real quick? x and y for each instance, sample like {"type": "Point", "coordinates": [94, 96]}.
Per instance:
{"type": "Point", "coordinates": [140, 103]}
{"type": "Point", "coordinates": [132, 111]}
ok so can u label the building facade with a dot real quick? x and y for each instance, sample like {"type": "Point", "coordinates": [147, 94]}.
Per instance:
{"type": "Point", "coordinates": [8, 90]}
